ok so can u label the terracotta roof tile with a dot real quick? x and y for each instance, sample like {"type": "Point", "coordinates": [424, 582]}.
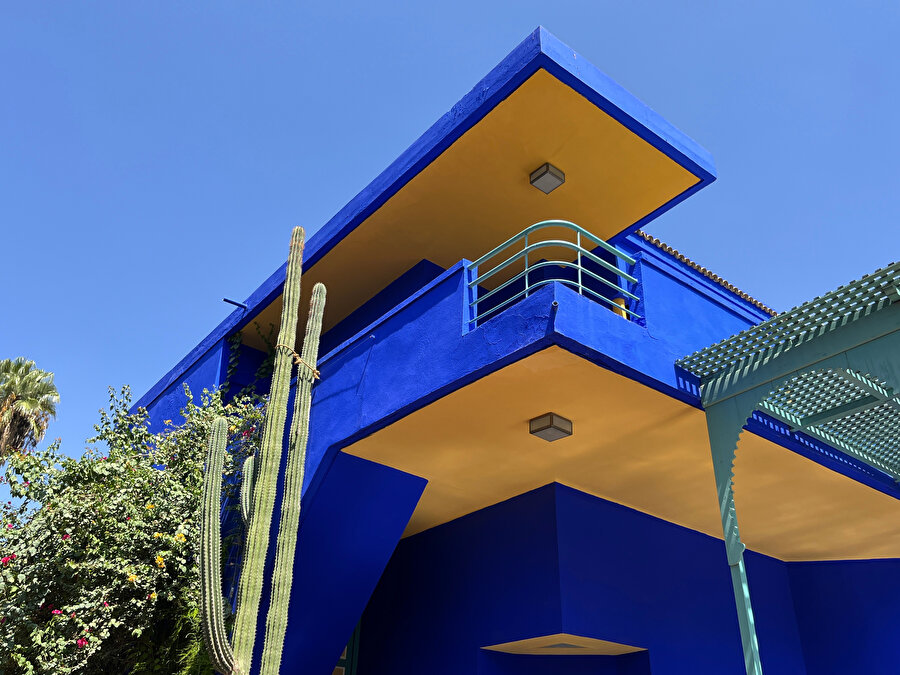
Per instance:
{"type": "Point", "coordinates": [705, 272]}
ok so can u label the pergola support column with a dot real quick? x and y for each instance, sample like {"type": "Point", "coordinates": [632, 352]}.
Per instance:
{"type": "Point", "coordinates": [725, 424]}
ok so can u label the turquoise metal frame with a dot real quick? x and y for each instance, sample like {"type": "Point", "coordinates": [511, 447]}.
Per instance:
{"type": "Point", "coordinates": [829, 368]}
{"type": "Point", "coordinates": [531, 244]}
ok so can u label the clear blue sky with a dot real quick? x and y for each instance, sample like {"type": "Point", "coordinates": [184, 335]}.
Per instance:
{"type": "Point", "coordinates": [154, 155]}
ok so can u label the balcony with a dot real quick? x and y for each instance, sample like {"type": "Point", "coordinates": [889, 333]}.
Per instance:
{"type": "Point", "coordinates": [547, 252]}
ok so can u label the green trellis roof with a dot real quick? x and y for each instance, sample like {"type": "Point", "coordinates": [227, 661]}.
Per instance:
{"type": "Point", "coordinates": [853, 411]}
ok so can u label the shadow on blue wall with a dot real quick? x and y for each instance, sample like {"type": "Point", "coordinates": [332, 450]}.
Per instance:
{"type": "Point", "coordinates": [497, 663]}
{"type": "Point", "coordinates": [848, 613]}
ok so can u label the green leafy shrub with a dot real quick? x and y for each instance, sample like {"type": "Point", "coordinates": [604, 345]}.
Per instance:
{"type": "Point", "coordinates": [99, 568]}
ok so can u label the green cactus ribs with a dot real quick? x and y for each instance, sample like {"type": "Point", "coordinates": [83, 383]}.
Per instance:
{"type": "Point", "coordinates": [258, 490]}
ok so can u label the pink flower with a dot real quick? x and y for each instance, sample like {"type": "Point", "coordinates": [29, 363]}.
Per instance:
{"type": "Point", "coordinates": [67, 536]}
{"type": "Point", "coordinates": [56, 611]}
{"type": "Point", "coordinates": [9, 526]}
{"type": "Point", "coordinates": [73, 615]}
{"type": "Point", "coordinates": [105, 604]}
{"type": "Point", "coordinates": [81, 642]}
{"type": "Point", "coordinates": [5, 560]}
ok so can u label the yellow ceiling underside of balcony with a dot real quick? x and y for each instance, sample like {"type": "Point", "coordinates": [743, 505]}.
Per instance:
{"type": "Point", "coordinates": [631, 445]}
{"type": "Point", "coordinates": [476, 193]}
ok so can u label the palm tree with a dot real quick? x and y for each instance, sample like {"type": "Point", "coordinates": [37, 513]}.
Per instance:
{"type": "Point", "coordinates": [28, 400]}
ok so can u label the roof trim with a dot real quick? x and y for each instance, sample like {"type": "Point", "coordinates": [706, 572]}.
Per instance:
{"type": "Point", "coordinates": [707, 273]}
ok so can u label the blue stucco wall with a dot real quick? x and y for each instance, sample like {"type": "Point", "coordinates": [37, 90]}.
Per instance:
{"type": "Point", "coordinates": [483, 579]}
{"type": "Point", "coordinates": [205, 373]}
{"type": "Point", "coordinates": [848, 614]}
{"type": "Point", "coordinates": [382, 302]}
{"type": "Point", "coordinates": [558, 560]}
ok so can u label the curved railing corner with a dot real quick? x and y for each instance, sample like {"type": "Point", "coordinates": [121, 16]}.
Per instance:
{"type": "Point", "coordinates": [602, 273]}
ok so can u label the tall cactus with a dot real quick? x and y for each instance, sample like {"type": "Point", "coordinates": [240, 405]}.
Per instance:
{"type": "Point", "coordinates": [276, 619]}
{"type": "Point", "coordinates": [258, 496]}
{"type": "Point", "coordinates": [211, 553]}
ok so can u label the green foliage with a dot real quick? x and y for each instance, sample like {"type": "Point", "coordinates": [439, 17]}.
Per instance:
{"type": "Point", "coordinates": [99, 570]}
{"type": "Point", "coordinates": [28, 400]}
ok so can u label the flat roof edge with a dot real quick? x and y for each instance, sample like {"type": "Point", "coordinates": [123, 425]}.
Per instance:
{"type": "Point", "coordinates": [540, 49]}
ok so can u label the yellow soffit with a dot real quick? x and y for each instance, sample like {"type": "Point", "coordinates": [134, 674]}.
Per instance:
{"type": "Point", "coordinates": [632, 445]}
{"type": "Point", "coordinates": [564, 644]}
{"type": "Point", "coordinates": [476, 193]}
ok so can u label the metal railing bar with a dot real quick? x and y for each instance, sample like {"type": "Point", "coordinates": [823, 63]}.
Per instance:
{"type": "Point", "coordinates": [552, 263]}
{"type": "Point", "coordinates": [551, 243]}
{"type": "Point", "coordinates": [555, 223]}
{"type": "Point", "coordinates": [518, 296]}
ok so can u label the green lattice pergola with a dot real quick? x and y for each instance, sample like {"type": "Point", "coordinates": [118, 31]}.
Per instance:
{"type": "Point", "coordinates": [829, 368]}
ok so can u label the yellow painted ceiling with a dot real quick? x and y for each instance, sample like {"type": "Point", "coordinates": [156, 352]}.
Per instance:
{"type": "Point", "coordinates": [632, 445]}
{"type": "Point", "coordinates": [476, 194]}
{"type": "Point", "coordinates": [789, 504]}
{"type": "Point", "coordinates": [564, 644]}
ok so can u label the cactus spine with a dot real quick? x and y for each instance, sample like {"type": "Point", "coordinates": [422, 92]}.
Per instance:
{"type": "Point", "coordinates": [258, 495]}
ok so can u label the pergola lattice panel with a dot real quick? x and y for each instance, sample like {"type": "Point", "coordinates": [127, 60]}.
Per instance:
{"type": "Point", "coordinates": [856, 412]}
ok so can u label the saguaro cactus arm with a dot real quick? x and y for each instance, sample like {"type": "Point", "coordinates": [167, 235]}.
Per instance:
{"type": "Point", "coordinates": [286, 545]}
{"type": "Point", "coordinates": [214, 635]}
{"type": "Point", "coordinates": [248, 476]}
{"type": "Point", "coordinates": [269, 459]}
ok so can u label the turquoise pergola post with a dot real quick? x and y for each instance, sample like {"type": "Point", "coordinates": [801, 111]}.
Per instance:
{"type": "Point", "coordinates": [724, 434]}
{"type": "Point", "coordinates": [828, 369]}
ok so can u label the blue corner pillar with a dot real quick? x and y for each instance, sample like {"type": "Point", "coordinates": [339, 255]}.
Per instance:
{"type": "Point", "coordinates": [725, 424]}
{"type": "Point", "coordinates": [348, 532]}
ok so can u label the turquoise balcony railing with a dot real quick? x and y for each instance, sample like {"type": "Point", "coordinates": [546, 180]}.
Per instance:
{"type": "Point", "coordinates": [547, 252]}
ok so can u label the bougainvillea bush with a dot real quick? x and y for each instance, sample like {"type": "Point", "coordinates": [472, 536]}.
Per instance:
{"type": "Point", "coordinates": [99, 570]}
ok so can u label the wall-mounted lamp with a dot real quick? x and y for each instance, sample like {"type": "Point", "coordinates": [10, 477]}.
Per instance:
{"type": "Point", "coordinates": [550, 427]}
{"type": "Point", "coordinates": [547, 178]}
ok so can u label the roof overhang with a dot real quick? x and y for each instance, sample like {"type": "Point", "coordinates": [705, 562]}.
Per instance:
{"type": "Point", "coordinates": [463, 186]}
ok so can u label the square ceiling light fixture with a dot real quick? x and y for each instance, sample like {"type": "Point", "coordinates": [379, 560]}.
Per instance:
{"type": "Point", "coordinates": [547, 178]}
{"type": "Point", "coordinates": [550, 427]}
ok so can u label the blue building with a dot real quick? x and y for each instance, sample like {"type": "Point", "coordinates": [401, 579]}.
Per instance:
{"type": "Point", "coordinates": [507, 472]}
